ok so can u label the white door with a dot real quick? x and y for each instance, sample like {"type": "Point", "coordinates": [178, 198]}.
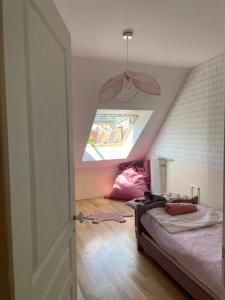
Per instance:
{"type": "Point", "coordinates": [38, 95]}
{"type": "Point", "coordinates": [223, 249]}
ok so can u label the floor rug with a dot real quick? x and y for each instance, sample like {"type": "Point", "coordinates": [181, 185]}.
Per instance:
{"type": "Point", "coordinates": [100, 215]}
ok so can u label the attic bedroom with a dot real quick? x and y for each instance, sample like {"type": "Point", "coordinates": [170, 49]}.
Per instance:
{"type": "Point", "coordinates": [148, 150]}
{"type": "Point", "coordinates": [112, 149]}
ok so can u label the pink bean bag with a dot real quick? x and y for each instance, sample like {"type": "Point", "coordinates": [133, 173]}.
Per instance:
{"type": "Point", "coordinates": [131, 182]}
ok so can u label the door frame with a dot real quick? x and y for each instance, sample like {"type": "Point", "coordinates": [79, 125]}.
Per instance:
{"type": "Point", "coordinates": [6, 266]}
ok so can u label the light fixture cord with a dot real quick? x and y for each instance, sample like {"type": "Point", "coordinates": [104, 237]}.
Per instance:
{"type": "Point", "coordinates": [127, 53]}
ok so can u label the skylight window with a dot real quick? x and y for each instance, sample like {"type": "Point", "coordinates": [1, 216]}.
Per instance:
{"type": "Point", "coordinates": [114, 133]}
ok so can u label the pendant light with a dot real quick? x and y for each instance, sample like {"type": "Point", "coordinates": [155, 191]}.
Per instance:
{"type": "Point", "coordinates": [125, 86]}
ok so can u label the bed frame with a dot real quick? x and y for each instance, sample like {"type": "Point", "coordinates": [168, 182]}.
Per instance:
{"type": "Point", "coordinates": [146, 243]}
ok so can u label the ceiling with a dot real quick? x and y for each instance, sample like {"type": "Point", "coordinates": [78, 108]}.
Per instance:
{"type": "Point", "coordinates": [167, 32]}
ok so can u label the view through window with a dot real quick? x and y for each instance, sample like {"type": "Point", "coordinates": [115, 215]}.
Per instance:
{"type": "Point", "coordinates": [111, 129]}
{"type": "Point", "coordinates": [114, 133]}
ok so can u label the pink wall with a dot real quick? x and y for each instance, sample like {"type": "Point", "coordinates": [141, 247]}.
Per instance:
{"type": "Point", "coordinates": [95, 182]}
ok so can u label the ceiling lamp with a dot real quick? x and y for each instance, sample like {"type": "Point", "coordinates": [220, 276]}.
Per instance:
{"type": "Point", "coordinates": [126, 85]}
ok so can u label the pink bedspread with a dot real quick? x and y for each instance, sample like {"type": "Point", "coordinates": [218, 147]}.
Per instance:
{"type": "Point", "coordinates": [199, 251]}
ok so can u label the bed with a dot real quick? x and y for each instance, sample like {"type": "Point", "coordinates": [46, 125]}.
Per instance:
{"type": "Point", "coordinates": [192, 258]}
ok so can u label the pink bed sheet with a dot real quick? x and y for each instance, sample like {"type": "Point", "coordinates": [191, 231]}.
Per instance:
{"type": "Point", "coordinates": [199, 251]}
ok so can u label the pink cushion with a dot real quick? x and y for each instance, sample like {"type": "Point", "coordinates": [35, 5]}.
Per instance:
{"type": "Point", "coordinates": [131, 183]}
{"type": "Point", "coordinates": [179, 208]}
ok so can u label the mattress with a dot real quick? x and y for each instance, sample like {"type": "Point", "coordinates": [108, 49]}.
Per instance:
{"type": "Point", "coordinates": [199, 251]}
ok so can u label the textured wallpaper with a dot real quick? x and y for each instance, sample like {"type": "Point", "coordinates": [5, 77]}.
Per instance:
{"type": "Point", "coordinates": [194, 131]}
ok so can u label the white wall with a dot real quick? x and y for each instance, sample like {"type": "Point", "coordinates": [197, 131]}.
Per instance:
{"type": "Point", "coordinates": [180, 176]}
{"type": "Point", "coordinates": [193, 133]}
{"type": "Point", "coordinates": [88, 76]}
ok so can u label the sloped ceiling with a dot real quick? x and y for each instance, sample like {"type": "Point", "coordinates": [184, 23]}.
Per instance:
{"type": "Point", "coordinates": [170, 38]}
{"type": "Point", "coordinates": [89, 75]}
{"type": "Point", "coordinates": [167, 32]}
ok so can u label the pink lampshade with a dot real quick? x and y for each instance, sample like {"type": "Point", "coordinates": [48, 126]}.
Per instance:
{"type": "Point", "coordinates": [145, 83]}
{"type": "Point", "coordinates": [140, 81]}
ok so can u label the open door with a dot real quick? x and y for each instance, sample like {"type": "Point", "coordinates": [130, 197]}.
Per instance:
{"type": "Point", "coordinates": [223, 249]}
{"type": "Point", "coordinates": [37, 62]}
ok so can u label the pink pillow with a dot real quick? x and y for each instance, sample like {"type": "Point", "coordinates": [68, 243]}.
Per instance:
{"type": "Point", "coordinates": [174, 209]}
{"type": "Point", "coordinates": [128, 185]}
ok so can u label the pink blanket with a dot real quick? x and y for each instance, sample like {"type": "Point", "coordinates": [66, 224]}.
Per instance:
{"type": "Point", "coordinates": [199, 251]}
{"type": "Point", "coordinates": [203, 217]}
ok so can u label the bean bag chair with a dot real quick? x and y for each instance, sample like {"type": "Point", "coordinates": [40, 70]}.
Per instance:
{"type": "Point", "coordinates": [131, 182]}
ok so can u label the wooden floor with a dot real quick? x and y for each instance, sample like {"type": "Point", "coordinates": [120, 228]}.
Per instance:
{"type": "Point", "coordinates": [110, 268]}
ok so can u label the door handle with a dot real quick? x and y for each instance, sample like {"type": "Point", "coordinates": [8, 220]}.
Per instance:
{"type": "Point", "coordinates": [80, 217]}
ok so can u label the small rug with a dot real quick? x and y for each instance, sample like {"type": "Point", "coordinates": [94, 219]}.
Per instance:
{"type": "Point", "coordinates": [100, 215]}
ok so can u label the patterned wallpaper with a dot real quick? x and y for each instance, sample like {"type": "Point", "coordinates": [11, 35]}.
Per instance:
{"type": "Point", "coordinates": [193, 130]}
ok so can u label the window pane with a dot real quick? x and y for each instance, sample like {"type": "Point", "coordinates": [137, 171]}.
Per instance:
{"type": "Point", "coordinates": [111, 129]}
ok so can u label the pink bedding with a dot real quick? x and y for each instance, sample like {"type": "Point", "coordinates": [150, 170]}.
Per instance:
{"type": "Point", "coordinates": [199, 251]}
